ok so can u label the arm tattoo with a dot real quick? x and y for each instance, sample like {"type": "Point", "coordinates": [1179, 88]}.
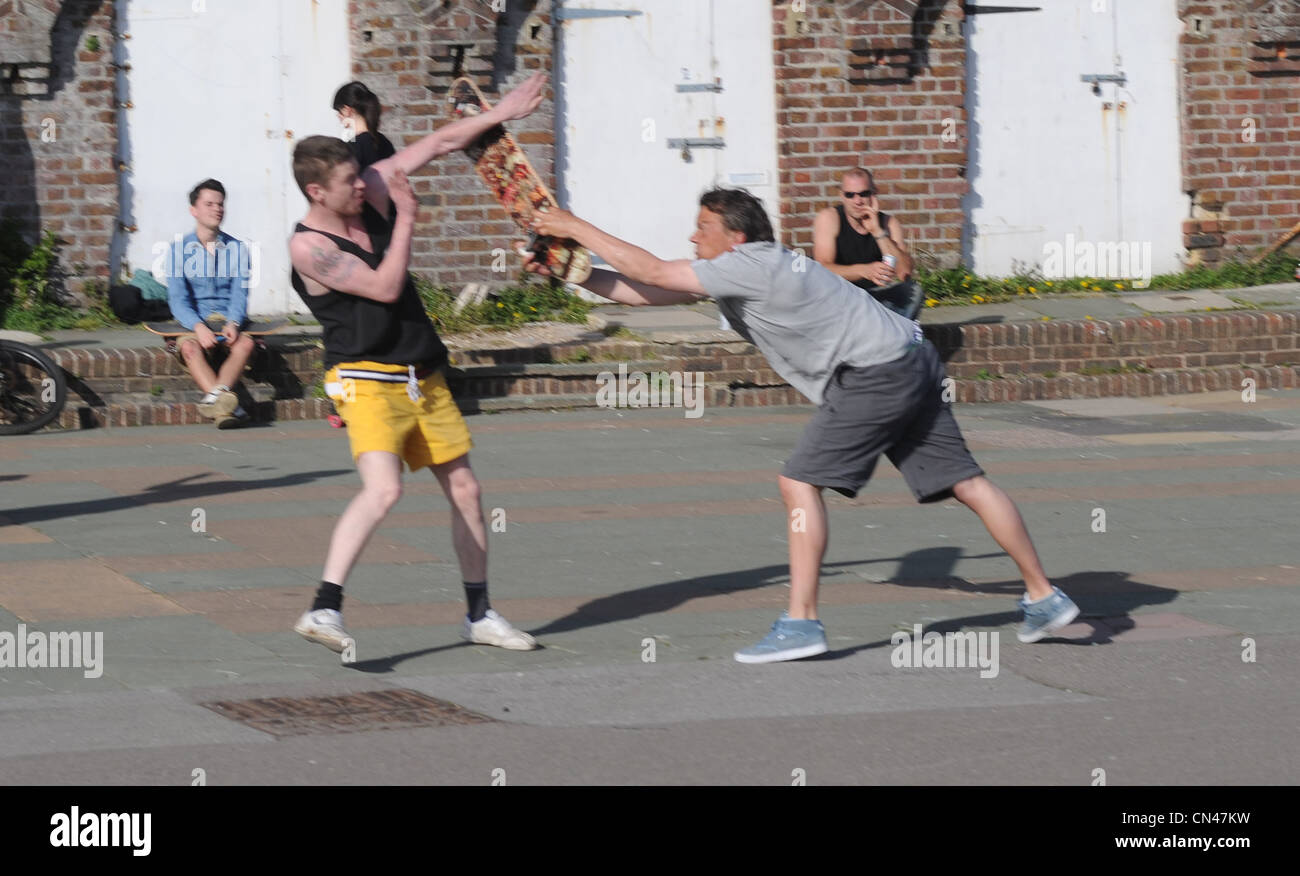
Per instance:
{"type": "Point", "coordinates": [331, 265]}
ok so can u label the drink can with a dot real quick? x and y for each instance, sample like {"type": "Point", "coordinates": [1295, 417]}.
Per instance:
{"type": "Point", "coordinates": [891, 261]}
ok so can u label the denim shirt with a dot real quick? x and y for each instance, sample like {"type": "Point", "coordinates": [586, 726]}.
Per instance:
{"type": "Point", "coordinates": [200, 283]}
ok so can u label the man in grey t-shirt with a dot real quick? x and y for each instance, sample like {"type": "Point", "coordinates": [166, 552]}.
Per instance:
{"type": "Point", "coordinates": [876, 381]}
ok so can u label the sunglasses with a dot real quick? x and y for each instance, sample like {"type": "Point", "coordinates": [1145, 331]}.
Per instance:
{"type": "Point", "coordinates": [867, 194]}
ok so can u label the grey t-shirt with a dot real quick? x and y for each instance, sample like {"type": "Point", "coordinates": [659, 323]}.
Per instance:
{"type": "Point", "coordinates": [806, 322]}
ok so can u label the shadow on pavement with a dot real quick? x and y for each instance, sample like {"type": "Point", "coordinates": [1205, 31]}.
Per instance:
{"type": "Point", "coordinates": [1101, 595]}
{"type": "Point", "coordinates": [663, 597]}
{"type": "Point", "coordinates": [177, 490]}
{"type": "Point", "coordinates": [1105, 600]}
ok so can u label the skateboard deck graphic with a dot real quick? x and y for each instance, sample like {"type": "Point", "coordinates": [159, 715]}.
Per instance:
{"type": "Point", "coordinates": [517, 187]}
{"type": "Point", "coordinates": [216, 322]}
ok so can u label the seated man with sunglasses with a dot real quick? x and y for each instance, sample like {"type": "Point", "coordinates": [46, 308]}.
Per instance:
{"type": "Point", "coordinates": [857, 241]}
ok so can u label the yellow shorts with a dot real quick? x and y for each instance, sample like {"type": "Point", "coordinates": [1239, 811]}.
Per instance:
{"type": "Point", "coordinates": [382, 416]}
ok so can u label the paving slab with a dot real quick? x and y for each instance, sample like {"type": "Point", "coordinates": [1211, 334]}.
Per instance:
{"type": "Point", "coordinates": [1182, 302]}
{"type": "Point", "coordinates": [631, 529]}
{"type": "Point", "coordinates": [1101, 307]}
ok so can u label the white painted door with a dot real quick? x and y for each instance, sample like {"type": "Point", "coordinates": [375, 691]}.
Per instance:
{"type": "Point", "coordinates": [223, 90]}
{"type": "Point", "coordinates": [680, 70]}
{"type": "Point", "coordinates": [1056, 166]}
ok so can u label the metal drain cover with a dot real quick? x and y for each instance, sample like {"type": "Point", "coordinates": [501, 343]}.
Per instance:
{"type": "Point", "coordinates": [397, 709]}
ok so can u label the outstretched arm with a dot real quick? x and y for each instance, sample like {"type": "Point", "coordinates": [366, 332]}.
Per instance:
{"type": "Point", "coordinates": [641, 278]}
{"type": "Point", "coordinates": [616, 287]}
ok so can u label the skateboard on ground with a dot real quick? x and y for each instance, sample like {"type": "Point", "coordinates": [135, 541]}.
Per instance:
{"type": "Point", "coordinates": [217, 322]}
{"type": "Point", "coordinates": [516, 186]}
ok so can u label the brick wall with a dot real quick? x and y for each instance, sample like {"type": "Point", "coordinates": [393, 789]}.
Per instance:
{"type": "Point", "coordinates": [1241, 122]}
{"type": "Point", "coordinates": [58, 128]}
{"type": "Point", "coordinates": [866, 82]}
{"type": "Point", "coordinates": [871, 83]}
{"type": "Point", "coordinates": [408, 53]}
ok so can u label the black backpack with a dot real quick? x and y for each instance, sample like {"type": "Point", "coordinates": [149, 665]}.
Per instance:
{"type": "Point", "coordinates": [129, 305]}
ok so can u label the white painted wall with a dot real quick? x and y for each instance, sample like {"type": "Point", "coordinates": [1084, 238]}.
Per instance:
{"type": "Point", "coordinates": [619, 106]}
{"type": "Point", "coordinates": [223, 89]}
{"type": "Point", "coordinates": [1048, 157]}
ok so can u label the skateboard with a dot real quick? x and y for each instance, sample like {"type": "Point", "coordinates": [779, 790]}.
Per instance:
{"type": "Point", "coordinates": [516, 186]}
{"type": "Point", "coordinates": [217, 322]}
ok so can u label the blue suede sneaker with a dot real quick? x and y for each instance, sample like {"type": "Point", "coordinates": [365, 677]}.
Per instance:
{"type": "Point", "coordinates": [1046, 616]}
{"type": "Point", "coordinates": [788, 640]}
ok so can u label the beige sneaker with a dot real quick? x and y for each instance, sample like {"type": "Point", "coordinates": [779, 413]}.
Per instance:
{"type": "Point", "coordinates": [236, 418]}
{"type": "Point", "coordinates": [493, 629]}
{"type": "Point", "coordinates": [218, 404]}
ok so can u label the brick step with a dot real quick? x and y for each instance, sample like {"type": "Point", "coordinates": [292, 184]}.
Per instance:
{"type": "Point", "coordinates": [141, 411]}
{"type": "Point", "coordinates": [171, 385]}
{"type": "Point", "coordinates": [987, 361]}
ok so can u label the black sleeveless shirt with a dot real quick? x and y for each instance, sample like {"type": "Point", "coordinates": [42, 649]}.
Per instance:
{"type": "Point", "coordinates": [852, 248]}
{"type": "Point", "coordinates": [362, 329]}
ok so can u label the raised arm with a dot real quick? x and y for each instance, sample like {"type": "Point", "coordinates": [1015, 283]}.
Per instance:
{"type": "Point", "coordinates": [319, 259]}
{"type": "Point", "coordinates": [451, 137]}
{"type": "Point", "coordinates": [893, 244]}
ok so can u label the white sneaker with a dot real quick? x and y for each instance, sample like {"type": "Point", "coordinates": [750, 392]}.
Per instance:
{"type": "Point", "coordinates": [324, 625]}
{"type": "Point", "coordinates": [493, 629]}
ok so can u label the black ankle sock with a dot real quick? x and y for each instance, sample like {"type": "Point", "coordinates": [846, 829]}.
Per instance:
{"type": "Point", "coordinates": [328, 596]}
{"type": "Point", "coordinates": [476, 598]}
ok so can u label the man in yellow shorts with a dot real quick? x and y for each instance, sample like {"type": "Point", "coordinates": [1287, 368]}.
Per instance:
{"type": "Point", "coordinates": [385, 360]}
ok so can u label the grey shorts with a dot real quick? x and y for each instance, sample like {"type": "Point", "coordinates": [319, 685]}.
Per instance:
{"type": "Point", "coordinates": [896, 409]}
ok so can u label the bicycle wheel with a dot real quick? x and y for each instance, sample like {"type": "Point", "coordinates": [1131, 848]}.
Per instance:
{"type": "Point", "coordinates": [32, 389]}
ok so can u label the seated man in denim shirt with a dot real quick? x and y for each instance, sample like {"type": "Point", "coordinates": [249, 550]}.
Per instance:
{"type": "Point", "coordinates": [210, 277]}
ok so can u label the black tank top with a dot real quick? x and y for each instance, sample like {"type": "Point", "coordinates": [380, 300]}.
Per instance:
{"type": "Point", "coordinates": [852, 248]}
{"type": "Point", "coordinates": [362, 329]}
